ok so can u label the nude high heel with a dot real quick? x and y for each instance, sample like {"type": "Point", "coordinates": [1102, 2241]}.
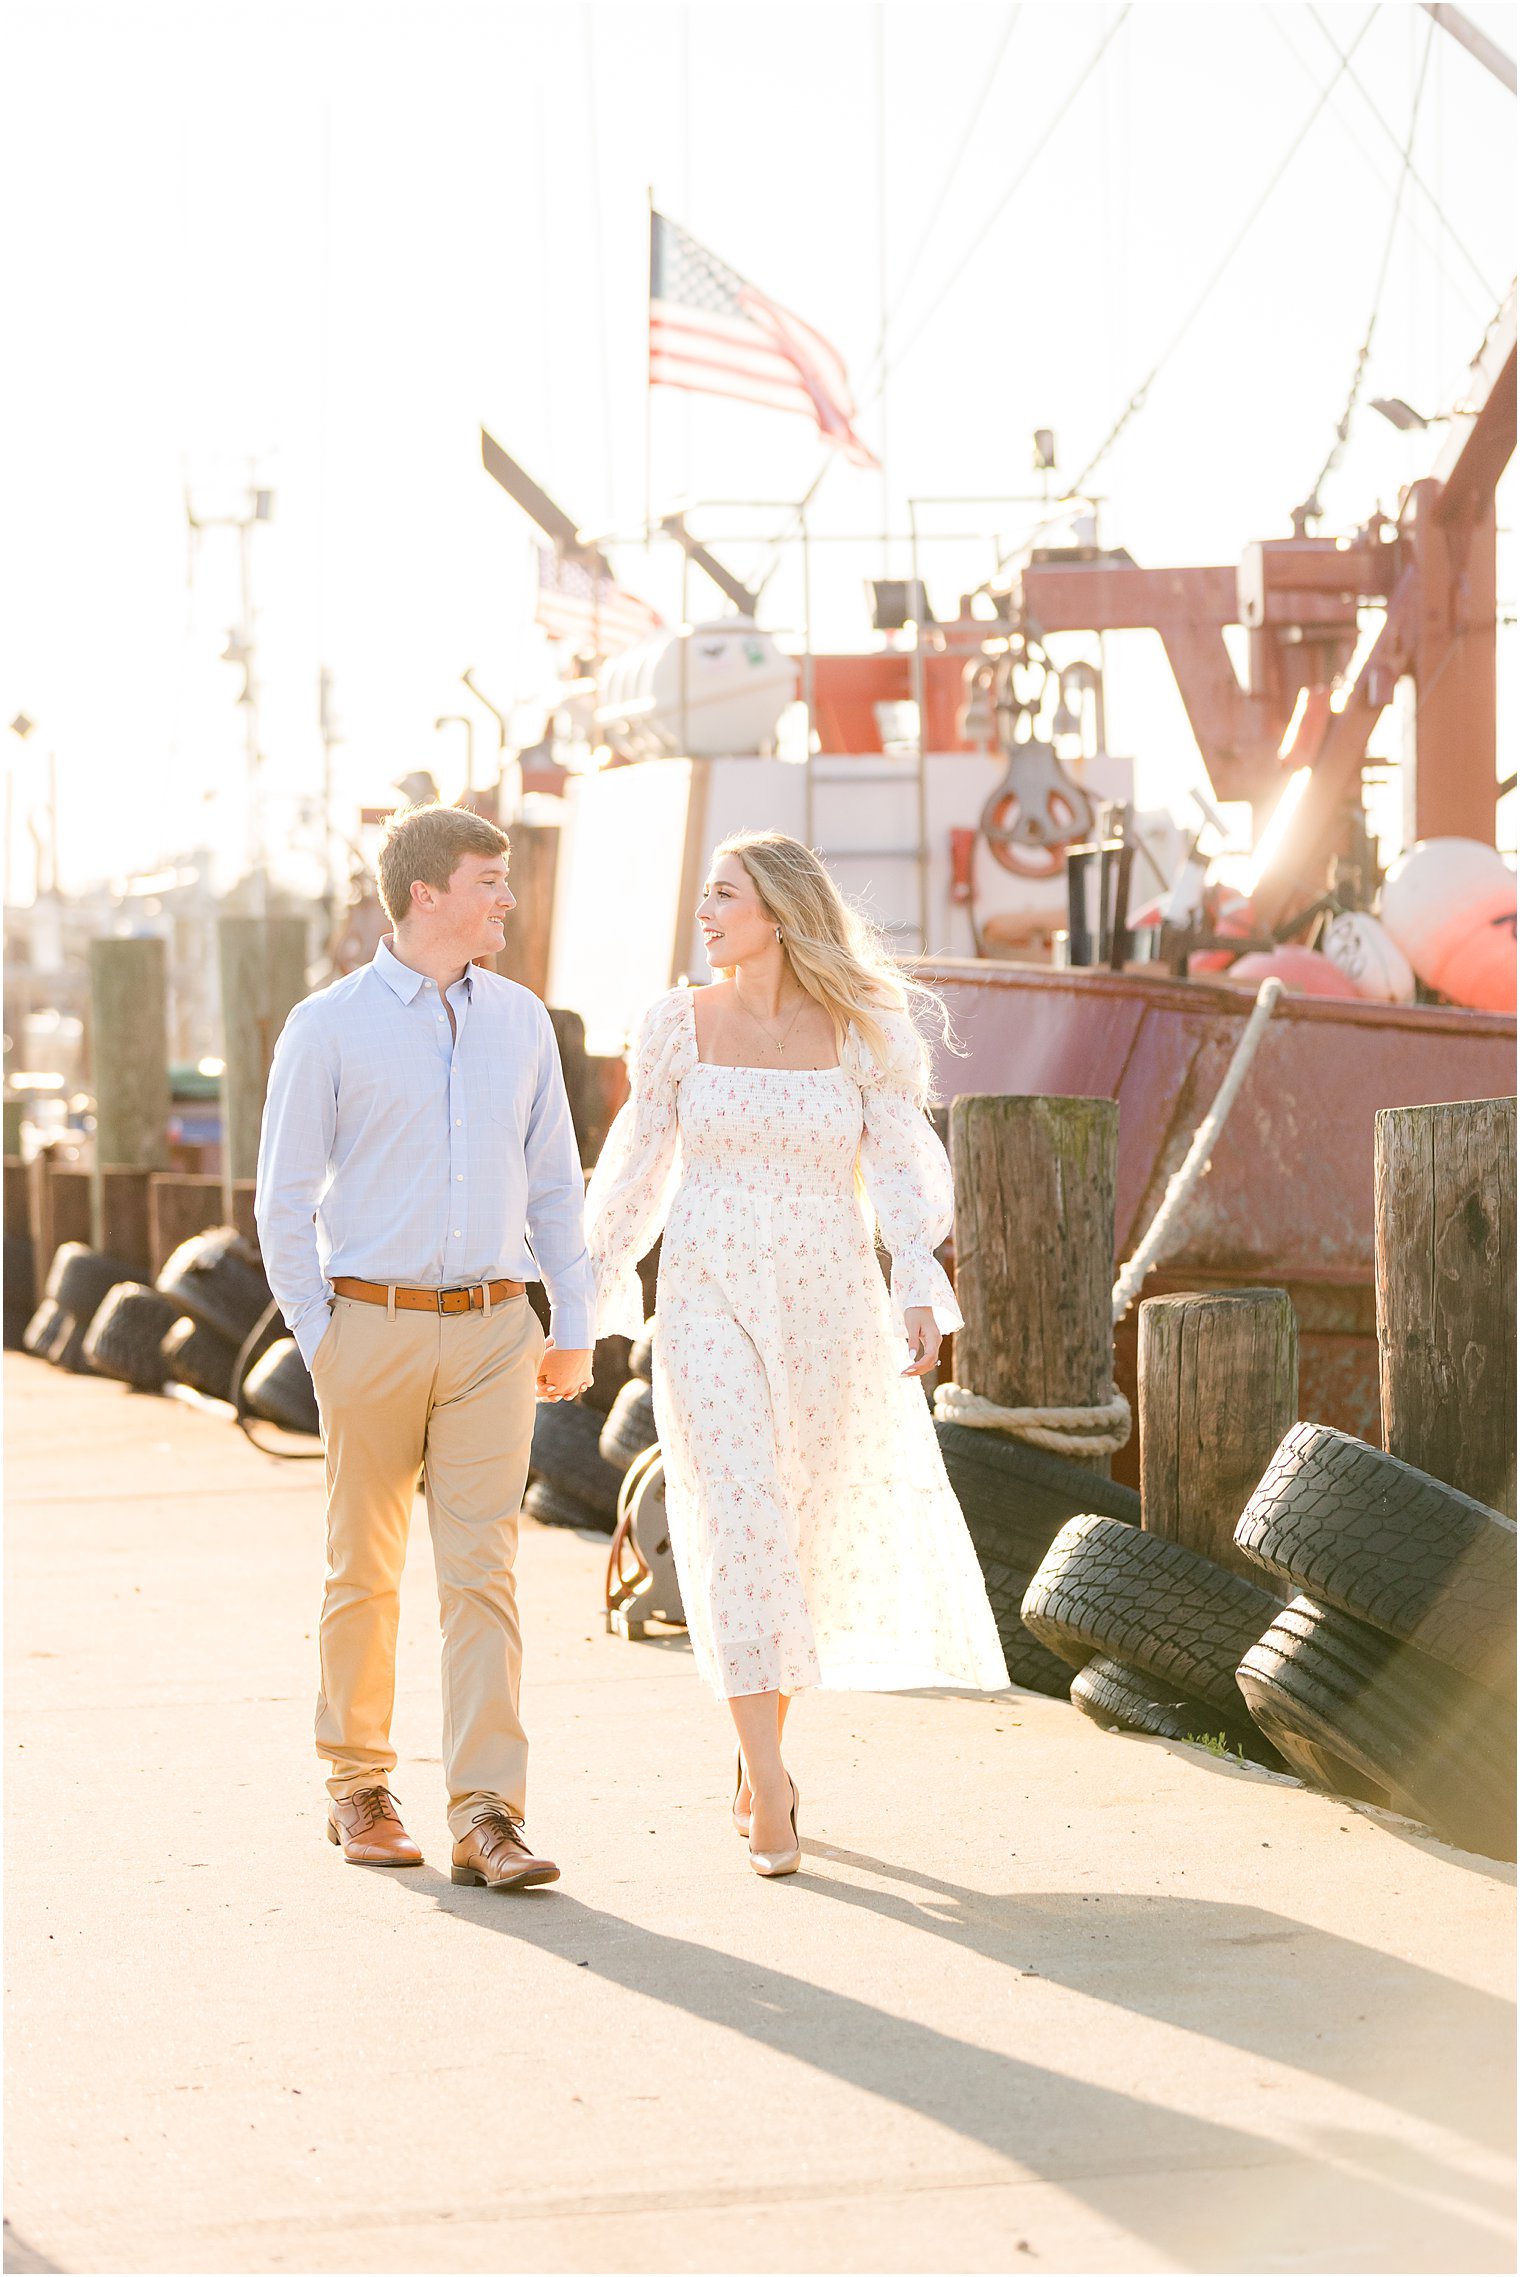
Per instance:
{"type": "Point", "coordinates": [772, 1864]}
{"type": "Point", "coordinates": [740, 1818]}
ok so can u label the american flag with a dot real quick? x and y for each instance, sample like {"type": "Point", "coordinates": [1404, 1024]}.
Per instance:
{"type": "Point", "coordinates": [577, 603]}
{"type": "Point", "coordinates": [711, 332]}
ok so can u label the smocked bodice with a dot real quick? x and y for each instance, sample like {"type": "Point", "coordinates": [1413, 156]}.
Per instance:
{"type": "Point", "coordinates": [770, 1131]}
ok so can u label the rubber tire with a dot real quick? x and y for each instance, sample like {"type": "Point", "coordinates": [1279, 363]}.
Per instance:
{"type": "Point", "coordinates": [1109, 1588]}
{"type": "Point", "coordinates": [79, 1281]}
{"type": "Point", "coordinates": [197, 1356]}
{"type": "Point", "coordinates": [1372, 1536]}
{"type": "Point", "coordinates": [609, 1373]}
{"type": "Point", "coordinates": [1015, 1499]}
{"type": "Point", "coordinates": [1442, 1746]}
{"type": "Point", "coordinates": [126, 1337]}
{"type": "Point", "coordinates": [1326, 1773]}
{"type": "Point", "coordinates": [629, 1427]}
{"type": "Point", "coordinates": [80, 1278]}
{"type": "Point", "coordinates": [48, 1326]}
{"type": "Point", "coordinates": [554, 1505]}
{"type": "Point", "coordinates": [1029, 1663]}
{"type": "Point", "coordinates": [20, 1289]}
{"type": "Point", "coordinates": [641, 1354]}
{"type": "Point", "coordinates": [565, 1436]}
{"type": "Point", "coordinates": [1123, 1698]}
{"type": "Point", "coordinates": [216, 1278]}
{"type": "Point", "coordinates": [279, 1388]}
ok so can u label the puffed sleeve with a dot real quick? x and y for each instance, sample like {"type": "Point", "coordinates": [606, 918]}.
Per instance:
{"type": "Point", "coordinates": [905, 1170]}
{"type": "Point", "coordinates": [631, 1185]}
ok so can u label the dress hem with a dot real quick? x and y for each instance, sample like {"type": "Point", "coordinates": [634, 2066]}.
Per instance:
{"type": "Point", "coordinates": [896, 1679]}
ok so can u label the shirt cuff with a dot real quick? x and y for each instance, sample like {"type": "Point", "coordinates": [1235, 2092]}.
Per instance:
{"type": "Point", "coordinates": [920, 1279]}
{"type": "Point", "coordinates": [572, 1327]}
{"type": "Point", "coordinates": [310, 1326]}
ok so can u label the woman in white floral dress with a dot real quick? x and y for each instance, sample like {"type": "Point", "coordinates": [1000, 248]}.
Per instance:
{"type": "Point", "coordinates": [815, 1534]}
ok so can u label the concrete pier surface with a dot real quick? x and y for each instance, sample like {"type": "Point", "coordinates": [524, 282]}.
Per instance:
{"type": "Point", "coordinates": [1042, 1998]}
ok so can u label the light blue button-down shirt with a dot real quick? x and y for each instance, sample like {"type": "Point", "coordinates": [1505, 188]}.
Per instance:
{"type": "Point", "coordinates": [396, 1150]}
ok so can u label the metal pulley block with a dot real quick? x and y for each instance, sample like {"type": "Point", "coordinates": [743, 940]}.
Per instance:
{"type": "Point", "coordinates": [1036, 807]}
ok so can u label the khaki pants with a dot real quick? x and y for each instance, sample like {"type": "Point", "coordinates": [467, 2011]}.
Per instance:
{"type": "Point", "coordinates": [399, 1391]}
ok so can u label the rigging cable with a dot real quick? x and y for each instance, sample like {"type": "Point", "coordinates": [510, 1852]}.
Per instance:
{"type": "Point", "coordinates": [1490, 296]}
{"type": "Point", "coordinates": [761, 577]}
{"type": "Point", "coordinates": [1137, 401]}
{"type": "Point", "coordinates": [609, 456]}
{"type": "Point", "coordinates": [1478, 308]}
{"type": "Point", "coordinates": [963, 144]}
{"type": "Point", "coordinates": [997, 212]}
{"type": "Point", "coordinates": [1311, 505]}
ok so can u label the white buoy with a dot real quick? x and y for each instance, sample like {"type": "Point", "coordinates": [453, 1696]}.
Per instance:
{"type": "Point", "coordinates": [1370, 957]}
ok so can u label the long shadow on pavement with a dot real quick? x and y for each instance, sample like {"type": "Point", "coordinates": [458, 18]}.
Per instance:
{"type": "Point", "coordinates": [1062, 2129]}
{"type": "Point", "coordinates": [1418, 2023]}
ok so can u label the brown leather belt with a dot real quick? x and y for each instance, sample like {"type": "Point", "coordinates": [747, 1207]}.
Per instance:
{"type": "Point", "coordinates": [468, 1299]}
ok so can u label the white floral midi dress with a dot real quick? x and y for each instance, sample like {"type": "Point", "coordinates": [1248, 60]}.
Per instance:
{"type": "Point", "coordinates": [816, 1536]}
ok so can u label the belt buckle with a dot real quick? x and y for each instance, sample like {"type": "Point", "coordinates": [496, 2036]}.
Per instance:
{"type": "Point", "coordinates": [461, 1290]}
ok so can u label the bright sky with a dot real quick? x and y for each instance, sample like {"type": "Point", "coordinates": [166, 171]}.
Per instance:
{"type": "Point", "coordinates": [330, 240]}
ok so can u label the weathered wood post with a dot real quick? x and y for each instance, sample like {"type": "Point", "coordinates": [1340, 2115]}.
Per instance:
{"type": "Point", "coordinates": [263, 975]}
{"type": "Point", "coordinates": [1445, 1201]}
{"type": "Point", "coordinates": [129, 1048]}
{"type": "Point", "coordinates": [1218, 1390]}
{"type": "Point", "coordinates": [129, 1054]}
{"type": "Point", "coordinates": [524, 956]}
{"type": "Point", "coordinates": [1034, 1250]}
{"type": "Point", "coordinates": [59, 1198]}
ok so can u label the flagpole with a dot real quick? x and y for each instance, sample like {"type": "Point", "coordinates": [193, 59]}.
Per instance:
{"type": "Point", "coordinates": [881, 272]}
{"type": "Point", "coordinates": [649, 399]}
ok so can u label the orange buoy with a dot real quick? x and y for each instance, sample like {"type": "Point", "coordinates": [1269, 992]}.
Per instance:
{"type": "Point", "coordinates": [1304, 971]}
{"type": "Point", "coordinates": [1450, 905]}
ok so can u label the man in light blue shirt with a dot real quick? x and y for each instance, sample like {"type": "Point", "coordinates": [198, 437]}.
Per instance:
{"type": "Point", "coordinates": [417, 1168]}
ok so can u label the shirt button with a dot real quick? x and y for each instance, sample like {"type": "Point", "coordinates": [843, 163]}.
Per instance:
{"type": "Point", "coordinates": [458, 1122]}
{"type": "Point", "coordinates": [456, 1233]}
{"type": "Point", "coordinates": [459, 1177]}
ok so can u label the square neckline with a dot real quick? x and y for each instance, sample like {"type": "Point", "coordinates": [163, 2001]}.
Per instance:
{"type": "Point", "coordinates": [745, 1067]}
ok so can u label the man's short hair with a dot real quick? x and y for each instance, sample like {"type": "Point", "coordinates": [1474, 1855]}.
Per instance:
{"type": "Point", "coordinates": [427, 844]}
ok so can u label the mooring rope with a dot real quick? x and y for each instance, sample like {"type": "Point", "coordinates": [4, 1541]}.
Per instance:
{"type": "Point", "coordinates": [1063, 1430]}
{"type": "Point", "coordinates": [1103, 1428]}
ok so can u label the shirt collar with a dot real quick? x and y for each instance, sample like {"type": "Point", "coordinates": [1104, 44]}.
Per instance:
{"type": "Point", "coordinates": [400, 978]}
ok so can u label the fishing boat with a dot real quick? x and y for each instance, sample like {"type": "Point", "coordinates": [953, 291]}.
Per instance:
{"type": "Point", "coordinates": [957, 779]}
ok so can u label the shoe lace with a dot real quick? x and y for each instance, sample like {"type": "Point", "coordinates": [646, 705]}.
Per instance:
{"type": "Point", "coordinates": [372, 1805]}
{"type": "Point", "coordinates": [496, 1827]}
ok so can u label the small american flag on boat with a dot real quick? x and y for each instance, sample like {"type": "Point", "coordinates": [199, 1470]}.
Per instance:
{"type": "Point", "coordinates": [714, 334]}
{"type": "Point", "coordinates": [576, 602]}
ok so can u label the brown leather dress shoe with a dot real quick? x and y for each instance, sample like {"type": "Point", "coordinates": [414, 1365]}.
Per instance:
{"type": "Point", "coordinates": [367, 1826]}
{"type": "Point", "coordinates": [495, 1856]}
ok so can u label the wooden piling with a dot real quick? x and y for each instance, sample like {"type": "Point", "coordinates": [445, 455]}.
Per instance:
{"type": "Point", "coordinates": [182, 1203]}
{"type": "Point", "coordinates": [1445, 1203]}
{"type": "Point", "coordinates": [524, 957]}
{"type": "Point", "coordinates": [1218, 1391]}
{"type": "Point", "coordinates": [129, 1052]}
{"type": "Point", "coordinates": [263, 975]}
{"type": "Point", "coordinates": [18, 1206]}
{"type": "Point", "coordinates": [59, 1211]}
{"type": "Point", "coordinates": [1034, 1250]}
{"type": "Point", "coordinates": [120, 1199]}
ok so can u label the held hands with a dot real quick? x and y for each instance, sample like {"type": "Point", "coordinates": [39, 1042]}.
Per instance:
{"type": "Point", "coordinates": [923, 1339]}
{"type": "Point", "coordinates": [562, 1375]}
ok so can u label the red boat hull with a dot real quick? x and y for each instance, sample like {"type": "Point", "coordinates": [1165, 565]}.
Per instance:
{"type": "Point", "coordinates": [1288, 1201]}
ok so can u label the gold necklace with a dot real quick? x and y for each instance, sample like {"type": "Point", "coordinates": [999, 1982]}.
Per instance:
{"type": "Point", "coordinates": [765, 1031]}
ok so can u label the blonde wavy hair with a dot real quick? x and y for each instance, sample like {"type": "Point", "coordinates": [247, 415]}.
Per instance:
{"type": "Point", "coordinates": [836, 953]}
